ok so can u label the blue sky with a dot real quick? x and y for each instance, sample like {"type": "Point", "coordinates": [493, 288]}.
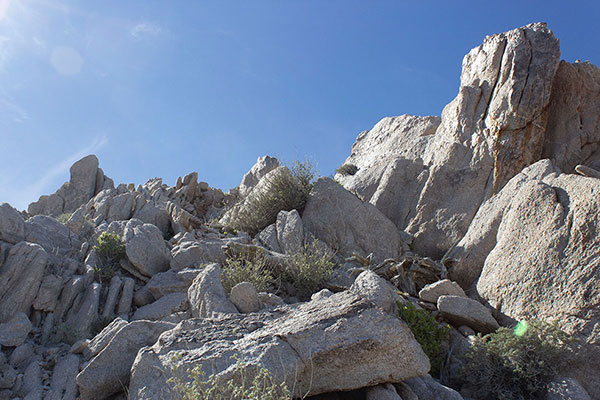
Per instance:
{"type": "Point", "coordinates": [163, 88]}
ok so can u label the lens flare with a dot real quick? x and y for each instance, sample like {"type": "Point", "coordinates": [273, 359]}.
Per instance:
{"type": "Point", "coordinates": [521, 328]}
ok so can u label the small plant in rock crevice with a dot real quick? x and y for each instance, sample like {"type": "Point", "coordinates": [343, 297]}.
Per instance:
{"type": "Point", "coordinates": [110, 250]}
{"type": "Point", "coordinates": [247, 382]}
{"type": "Point", "coordinates": [283, 192]}
{"type": "Point", "coordinates": [308, 268]}
{"type": "Point", "coordinates": [427, 332]}
{"type": "Point", "coordinates": [240, 268]}
{"type": "Point", "coordinates": [347, 169]}
{"type": "Point", "coordinates": [518, 364]}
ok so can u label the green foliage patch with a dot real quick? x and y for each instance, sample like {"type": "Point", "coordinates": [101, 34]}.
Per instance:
{"type": "Point", "coordinates": [308, 268]}
{"type": "Point", "coordinates": [427, 332]}
{"type": "Point", "coordinates": [247, 383]}
{"type": "Point", "coordinates": [247, 268]}
{"type": "Point", "coordinates": [284, 192]}
{"type": "Point", "coordinates": [110, 250]}
{"type": "Point", "coordinates": [518, 364]}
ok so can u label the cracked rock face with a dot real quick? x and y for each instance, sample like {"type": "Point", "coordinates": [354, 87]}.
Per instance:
{"type": "Point", "coordinates": [339, 343]}
{"type": "Point", "coordinates": [492, 130]}
{"type": "Point", "coordinates": [555, 279]}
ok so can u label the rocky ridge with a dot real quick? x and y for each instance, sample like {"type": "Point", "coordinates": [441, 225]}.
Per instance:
{"type": "Point", "coordinates": [484, 217]}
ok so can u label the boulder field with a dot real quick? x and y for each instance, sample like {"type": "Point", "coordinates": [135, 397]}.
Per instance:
{"type": "Point", "coordinates": [483, 217]}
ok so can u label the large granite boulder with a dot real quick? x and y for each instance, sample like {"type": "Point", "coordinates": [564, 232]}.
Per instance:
{"type": "Point", "coordinates": [20, 279]}
{"type": "Point", "coordinates": [348, 225]}
{"type": "Point", "coordinates": [543, 255]}
{"type": "Point", "coordinates": [146, 248]}
{"type": "Point", "coordinates": [339, 343]}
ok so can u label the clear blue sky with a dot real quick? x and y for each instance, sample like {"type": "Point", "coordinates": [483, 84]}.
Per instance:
{"type": "Point", "coordinates": [163, 88]}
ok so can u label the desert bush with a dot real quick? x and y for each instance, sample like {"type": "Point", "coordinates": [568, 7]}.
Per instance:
{"type": "Point", "coordinates": [308, 268]}
{"type": "Point", "coordinates": [284, 192]}
{"type": "Point", "coordinates": [246, 268]}
{"type": "Point", "coordinates": [427, 332]}
{"type": "Point", "coordinates": [110, 250]}
{"type": "Point", "coordinates": [512, 364]}
{"type": "Point", "coordinates": [347, 169]}
{"type": "Point", "coordinates": [63, 218]}
{"type": "Point", "coordinates": [247, 383]}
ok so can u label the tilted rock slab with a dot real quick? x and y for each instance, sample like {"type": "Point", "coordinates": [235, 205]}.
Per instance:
{"type": "Point", "coordinates": [341, 343]}
{"type": "Point", "coordinates": [108, 372]}
{"type": "Point", "coordinates": [146, 248]}
{"type": "Point", "coordinates": [263, 166]}
{"type": "Point", "coordinates": [543, 255]}
{"type": "Point", "coordinates": [20, 278]}
{"type": "Point", "coordinates": [348, 225]}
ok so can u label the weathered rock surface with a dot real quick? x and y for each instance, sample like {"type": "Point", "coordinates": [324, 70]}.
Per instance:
{"type": "Point", "coordinates": [146, 248]}
{"type": "Point", "coordinates": [382, 392]}
{"type": "Point", "coordinates": [377, 290]}
{"type": "Point", "coordinates": [263, 166]}
{"type": "Point", "coordinates": [86, 180]}
{"type": "Point", "coordinates": [346, 224]}
{"type": "Point", "coordinates": [162, 307]}
{"type": "Point", "coordinates": [245, 297]}
{"type": "Point", "coordinates": [433, 291]}
{"type": "Point", "coordinates": [464, 311]}
{"type": "Point", "coordinates": [12, 226]}
{"type": "Point", "coordinates": [492, 130]}
{"type": "Point", "coordinates": [290, 231]}
{"type": "Point", "coordinates": [108, 372]}
{"type": "Point", "coordinates": [573, 130]}
{"type": "Point", "coordinates": [389, 160]}
{"type": "Point", "coordinates": [196, 254]}
{"type": "Point", "coordinates": [341, 343]}
{"type": "Point", "coordinates": [20, 279]}
{"type": "Point", "coordinates": [555, 279]}
{"type": "Point", "coordinates": [14, 332]}
{"type": "Point", "coordinates": [427, 388]}
{"type": "Point", "coordinates": [63, 385]}
{"type": "Point", "coordinates": [206, 294]}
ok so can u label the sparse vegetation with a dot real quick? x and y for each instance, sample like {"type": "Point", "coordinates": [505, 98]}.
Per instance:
{"type": "Point", "coordinates": [242, 268]}
{"type": "Point", "coordinates": [309, 268]}
{"type": "Point", "coordinates": [347, 169]}
{"type": "Point", "coordinates": [247, 383]}
{"type": "Point", "coordinates": [110, 250]}
{"type": "Point", "coordinates": [284, 192]}
{"type": "Point", "coordinates": [427, 332]}
{"type": "Point", "coordinates": [63, 218]}
{"type": "Point", "coordinates": [517, 364]}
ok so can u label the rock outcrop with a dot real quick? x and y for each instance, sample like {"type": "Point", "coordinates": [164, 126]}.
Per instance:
{"type": "Point", "coordinates": [339, 343]}
{"type": "Point", "coordinates": [85, 182]}
{"type": "Point", "coordinates": [533, 252]}
{"type": "Point", "coordinates": [347, 225]}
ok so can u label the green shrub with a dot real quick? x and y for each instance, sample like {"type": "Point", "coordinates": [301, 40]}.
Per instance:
{"type": "Point", "coordinates": [284, 192]}
{"type": "Point", "coordinates": [110, 250]}
{"type": "Point", "coordinates": [347, 169]}
{"type": "Point", "coordinates": [517, 364]}
{"type": "Point", "coordinates": [247, 383]}
{"type": "Point", "coordinates": [427, 331]}
{"type": "Point", "coordinates": [246, 269]}
{"type": "Point", "coordinates": [309, 268]}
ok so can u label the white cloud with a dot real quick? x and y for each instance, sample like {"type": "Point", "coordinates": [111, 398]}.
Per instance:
{"type": "Point", "coordinates": [9, 110]}
{"type": "Point", "coordinates": [144, 29]}
{"type": "Point", "coordinates": [19, 195]}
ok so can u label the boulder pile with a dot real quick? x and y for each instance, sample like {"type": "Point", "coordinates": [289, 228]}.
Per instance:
{"type": "Point", "coordinates": [479, 219]}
